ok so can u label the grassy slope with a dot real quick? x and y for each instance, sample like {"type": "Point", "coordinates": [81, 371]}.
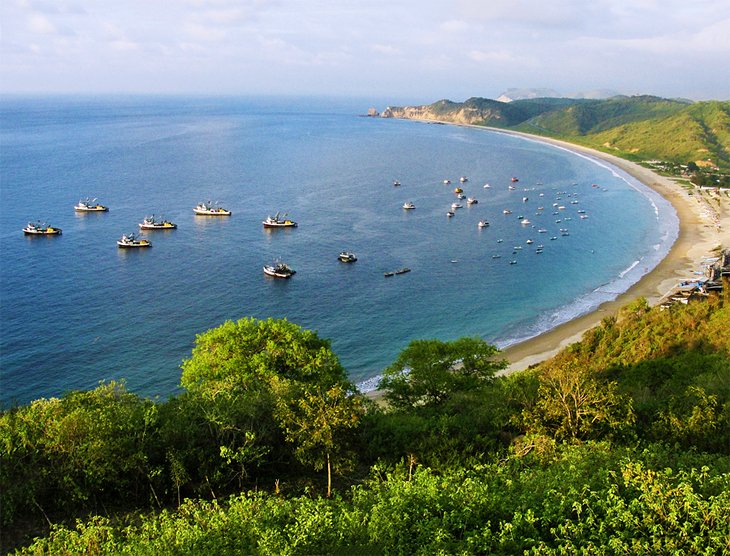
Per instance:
{"type": "Point", "coordinates": [638, 128]}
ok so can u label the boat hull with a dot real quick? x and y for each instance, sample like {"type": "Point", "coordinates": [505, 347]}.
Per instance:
{"type": "Point", "coordinates": [136, 245]}
{"type": "Point", "coordinates": [269, 271]}
{"type": "Point", "coordinates": [158, 227]}
{"type": "Point", "coordinates": [99, 208]}
{"type": "Point", "coordinates": [200, 212]}
{"type": "Point", "coordinates": [53, 232]}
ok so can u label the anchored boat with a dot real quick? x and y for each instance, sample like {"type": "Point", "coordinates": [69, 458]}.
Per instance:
{"type": "Point", "coordinates": [132, 241]}
{"type": "Point", "coordinates": [279, 221]}
{"type": "Point", "coordinates": [210, 209]}
{"type": "Point", "coordinates": [152, 223]}
{"type": "Point", "coordinates": [41, 229]}
{"type": "Point", "coordinates": [90, 205]}
{"type": "Point", "coordinates": [279, 270]}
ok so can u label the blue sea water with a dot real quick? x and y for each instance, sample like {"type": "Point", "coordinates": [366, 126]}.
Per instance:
{"type": "Point", "coordinates": [75, 309]}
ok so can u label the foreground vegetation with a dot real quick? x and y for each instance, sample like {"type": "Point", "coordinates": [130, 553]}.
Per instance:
{"type": "Point", "coordinates": [620, 444]}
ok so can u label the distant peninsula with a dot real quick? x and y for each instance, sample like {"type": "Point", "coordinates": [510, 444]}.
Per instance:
{"type": "Point", "coordinates": [692, 135]}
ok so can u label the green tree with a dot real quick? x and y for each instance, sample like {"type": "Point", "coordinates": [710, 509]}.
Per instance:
{"type": "Point", "coordinates": [430, 372]}
{"type": "Point", "coordinates": [319, 422]}
{"type": "Point", "coordinates": [573, 404]}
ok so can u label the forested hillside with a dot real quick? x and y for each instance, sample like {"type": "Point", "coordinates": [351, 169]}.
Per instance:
{"type": "Point", "coordinates": [620, 444]}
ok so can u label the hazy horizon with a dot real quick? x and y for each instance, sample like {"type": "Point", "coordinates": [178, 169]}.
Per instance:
{"type": "Point", "coordinates": [422, 51]}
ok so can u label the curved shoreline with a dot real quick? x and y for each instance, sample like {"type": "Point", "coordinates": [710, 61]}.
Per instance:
{"type": "Point", "coordinates": [699, 234]}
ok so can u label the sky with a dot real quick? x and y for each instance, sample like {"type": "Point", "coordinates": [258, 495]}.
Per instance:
{"type": "Point", "coordinates": [416, 50]}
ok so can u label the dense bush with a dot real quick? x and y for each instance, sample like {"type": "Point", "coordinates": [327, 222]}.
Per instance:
{"type": "Point", "coordinates": [618, 444]}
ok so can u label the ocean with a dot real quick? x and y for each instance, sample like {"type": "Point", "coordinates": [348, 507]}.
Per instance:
{"type": "Point", "coordinates": [76, 310]}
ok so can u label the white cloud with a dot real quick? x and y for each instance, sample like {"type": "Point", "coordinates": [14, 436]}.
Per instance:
{"type": "Point", "coordinates": [40, 24]}
{"type": "Point", "coordinates": [385, 49]}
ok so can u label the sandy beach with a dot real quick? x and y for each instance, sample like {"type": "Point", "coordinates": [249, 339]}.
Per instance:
{"type": "Point", "coordinates": [704, 224]}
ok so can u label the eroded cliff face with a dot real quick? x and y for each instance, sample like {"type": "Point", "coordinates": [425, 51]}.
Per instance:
{"type": "Point", "coordinates": [458, 114]}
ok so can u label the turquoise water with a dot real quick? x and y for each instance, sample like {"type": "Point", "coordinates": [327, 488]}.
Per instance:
{"type": "Point", "coordinates": [75, 309]}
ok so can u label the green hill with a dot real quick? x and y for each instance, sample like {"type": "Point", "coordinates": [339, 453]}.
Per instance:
{"type": "Point", "coordinates": [638, 128]}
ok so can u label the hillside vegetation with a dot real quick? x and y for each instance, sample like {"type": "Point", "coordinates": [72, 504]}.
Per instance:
{"type": "Point", "coordinates": [638, 128]}
{"type": "Point", "coordinates": [619, 444]}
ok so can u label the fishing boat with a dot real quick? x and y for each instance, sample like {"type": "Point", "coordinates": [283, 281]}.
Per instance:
{"type": "Point", "coordinates": [279, 221]}
{"type": "Point", "coordinates": [456, 205]}
{"type": "Point", "coordinates": [506, 211]}
{"type": "Point", "coordinates": [132, 241]}
{"type": "Point", "coordinates": [396, 183]}
{"type": "Point", "coordinates": [447, 182]}
{"type": "Point", "coordinates": [486, 186]}
{"type": "Point", "coordinates": [90, 205]}
{"type": "Point", "coordinates": [463, 179]}
{"type": "Point", "coordinates": [210, 209]}
{"type": "Point", "coordinates": [515, 180]}
{"type": "Point", "coordinates": [347, 257]}
{"type": "Point", "coordinates": [279, 270]}
{"type": "Point", "coordinates": [458, 190]}
{"type": "Point", "coordinates": [525, 221]}
{"type": "Point", "coordinates": [483, 224]}
{"type": "Point", "coordinates": [472, 201]}
{"type": "Point", "coordinates": [450, 213]}
{"type": "Point", "coordinates": [408, 205]}
{"type": "Point", "coordinates": [41, 229]}
{"type": "Point", "coordinates": [152, 223]}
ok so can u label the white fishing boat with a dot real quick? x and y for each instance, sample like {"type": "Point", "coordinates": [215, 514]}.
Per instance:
{"type": "Point", "coordinates": [347, 257]}
{"type": "Point", "coordinates": [279, 270]}
{"type": "Point", "coordinates": [152, 223]}
{"type": "Point", "coordinates": [90, 205]}
{"type": "Point", "coordinates": [483, 224]}
{"type": "Point", "coordinates": [210, 209]}
{"type": "Point", "coordinates": [408, 205]}
{"type": "Point", "coordinates": [41, 229]}
{"type": "Point", "coordinates": [279, 221]}
{"type": "Point", "coordinates": [131, 241]}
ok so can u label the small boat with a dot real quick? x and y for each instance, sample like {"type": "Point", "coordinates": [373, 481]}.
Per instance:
{"type": "Point", "coordinates": [447, 182]}
{"type": "Point", "coordinates": [525, 222]}
{"type": "Point", "coordinates": [515, 180]}
{"type": "Point", "coordinates": [583, 216]}
{"type": "Point", "coordinates": [487, 186]}
{"type": "Point", "coordinates": [347, 257]}
{"type": "Point", "coordinates": [396, 183]}
{"type": "Point", "coordinates": [458, 190]}
{"type": "Point", "coordinates": [41, 229]}
{"type": "Point", "coordinates": [553, 238]}
{"type": "Point", "coordinates": [408, 205]}
{"type": "Point", "coordinates": [542, 231]}
{"type": "Point", "coordinates": [525, 199]}
{"type": "Point", "coordinates": [529, 242]}
{"type": "Point", "coordinates": [450, 213]}
{"type": "Point", "coordinates": [513, 262]}
{"type": "Point", "coordinates": [506, 211]}
{"type": "Point", "coordinates": [511, 188]}
{"type": "Point", "coordinates": [456, 205]}
{"type": "Point", "coordinates": [279, 270]}
{"type": "Point", "coordinates": [279, 221]}
{"type": "Point", "coordinates": [90, 205]}
{"type": "Point", "coordinates": [500, 240]}
{"type": "Point", "coordinates": [388, 274]}
{"type": "Point", "coordinates": [210, 209]}
{"type": "Point", "coordinates": [402, 270]}
{"type": "Point", "coordinates": [483, 224]}
{"type": "Point", "coordinates": [472, 201]}
{"type": "Point", "coordinates": [463, 179]}
{"type": "Point", "coordinates": [496, 256]}
{"type": "Point", "coordinates": [152, 223]}
{"type": "Point", "coordinates": [128, 241]}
